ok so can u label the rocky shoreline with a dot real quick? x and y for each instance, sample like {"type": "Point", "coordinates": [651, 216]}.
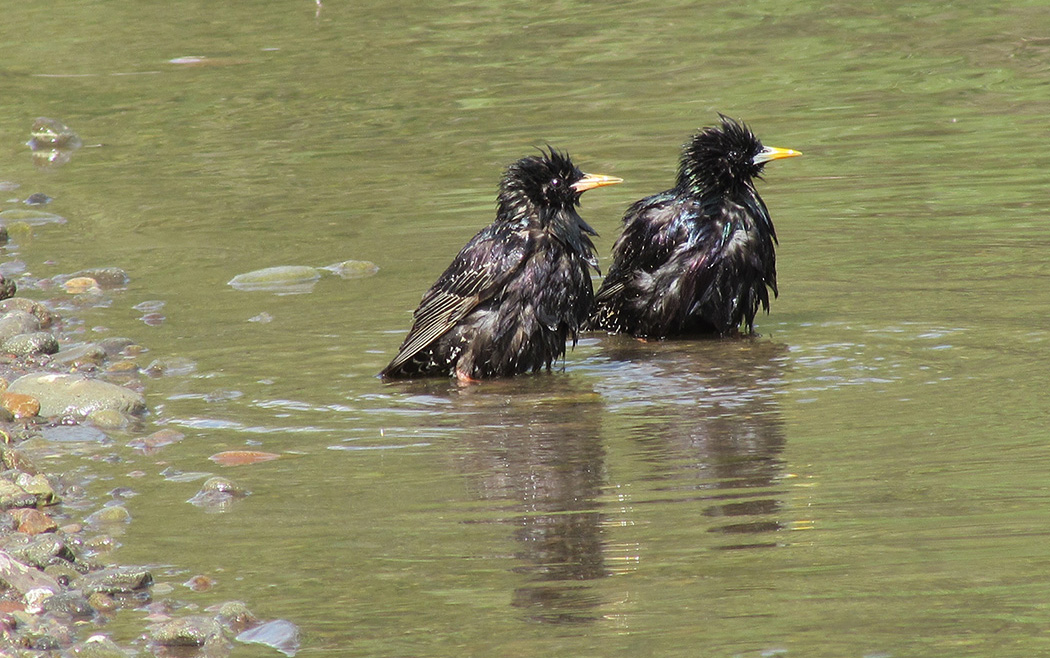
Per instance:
{"type": "Point", "coordinates": [59, 584]}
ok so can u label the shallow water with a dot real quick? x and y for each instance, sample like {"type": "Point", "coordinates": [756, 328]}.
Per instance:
{"type": "Point", "coordinates": [865, 478]}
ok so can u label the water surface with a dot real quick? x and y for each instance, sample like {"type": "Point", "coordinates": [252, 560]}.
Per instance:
{"type": "Point", "coordinates": [865, 478]}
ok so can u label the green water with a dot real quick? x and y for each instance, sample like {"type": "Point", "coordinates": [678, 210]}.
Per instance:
{"type": "Point", "coordinates": [866, 478]}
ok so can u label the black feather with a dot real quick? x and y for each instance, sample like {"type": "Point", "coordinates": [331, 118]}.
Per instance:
{"type": "Point", "coordinates": [517, 291]}
{"type": "Point", "coordinates": [700, 257]}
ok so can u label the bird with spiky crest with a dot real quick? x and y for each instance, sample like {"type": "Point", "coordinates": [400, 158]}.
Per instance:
{"type": "Point", "coordinates": [518, 290]}
{"type": "Point", "coordinates": [698, 258]}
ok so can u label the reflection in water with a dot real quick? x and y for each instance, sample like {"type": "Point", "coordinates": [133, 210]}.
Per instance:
{"type": "Point", "coordinates": [701, 416]}
{"type": "Point", "coordinates": [541, 448]}
{"type": "Point", "coordinates": [704, 417]}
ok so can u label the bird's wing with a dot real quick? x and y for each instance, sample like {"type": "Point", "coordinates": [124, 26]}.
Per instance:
{"type": "Point", "coordinates": [653, 229]}
{"type": "Point", "coordinates": [480, 269]}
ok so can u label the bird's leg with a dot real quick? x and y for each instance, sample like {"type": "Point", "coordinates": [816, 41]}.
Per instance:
{"type": "Point", "coordinates": [464, 378]}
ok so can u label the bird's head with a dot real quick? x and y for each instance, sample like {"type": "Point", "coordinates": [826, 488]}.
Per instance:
{"type": "Point", "coordinates": [725, 157]}
{"type": "Point", "coordinates": [548, 180]}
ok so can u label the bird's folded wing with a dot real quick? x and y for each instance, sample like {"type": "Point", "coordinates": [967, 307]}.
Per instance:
{"type": "Point", "coordinates": [478, 271]}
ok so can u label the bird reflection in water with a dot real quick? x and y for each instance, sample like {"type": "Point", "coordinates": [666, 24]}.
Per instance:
{"type": "Point", "coordinates": [704, 417]}
{"type": "Point", "coordinates": [539, 445]}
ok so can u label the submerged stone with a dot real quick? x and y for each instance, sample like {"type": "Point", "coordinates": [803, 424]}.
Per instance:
{"type": "Point", "coordinates": [195, 631]}
{"type": "Point", "coordinates": [75, 394]}
{"type": "Point", "coordinates": [279, 634]}
{"type": "Point", "coordinates": [48, 133]}
{"type": "Point", "coordinates": [116, 580]}
{"type": "Point", "coordinates": [107, 277]}
{"type": "Point", "coordinates": [353, 269]}
{"type": "Point", "coordinates": [30, 217]}
{"type": "Point", "coordinates": [286, 278]}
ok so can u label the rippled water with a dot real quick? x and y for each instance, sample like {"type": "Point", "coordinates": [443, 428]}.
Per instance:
{"type": "Point", "coordinates": [866, 478]}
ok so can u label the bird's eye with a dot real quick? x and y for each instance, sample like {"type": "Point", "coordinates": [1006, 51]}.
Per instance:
{"type": "Point", "coordinates": [555, 182]}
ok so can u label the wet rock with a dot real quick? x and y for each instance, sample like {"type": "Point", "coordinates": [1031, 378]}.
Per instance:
{"type": "Point", "coordinates": [43, 315]}
{"type": "Point", "coordinates": [110, 514]}
{"type": "Point", "coordinates": [156, 441]}
{"type": "Point", "coordinates": [235, 615]}
{"type": "Point", "coordinates": [20, 405]}
{"type": "Point", "coordinates": [352, 269]}
{"type": "Point", "coordinates": [70, 604]}
{"type": "Point", "coordinates": [15, 460]}
{"type": "Point", "coordinates": [7, 286]}
{"type": "Point", "coordinates": [102, 602]}
{"type": "Point", "coordinates": [172, 366]}
{"type": "Point", "coordinates": [217, 493]}
{"type": "Point", "coordinates": [97, 646]}
{"type": "Point", "coordinates": [25, 345]}
{"type": "Point", "coordinates": [37, 199]}
{"type": "Point", "coordinates": [108, 418]}
{"type": "Point", "coordinates": [79, 285]}
{"type": "Point", "coordinates": [22, 578]}
{"type": "Point", "coordinates": [279, 634]}
{"type": "Point", "coordinates": [74, 394]}
{"type": "Point", "coordinates": [14, 496]}
{"type": "Point", "coordinates": [39, 486]}
{"type": "Point", "coordinates": [62, 571]}
{"type": "Point", "coordinates": [48, 133]}
{"type": "Point", "coordinates": [16, 322]}
{"type": "Point", "coordinates": [74, 434]}
{"type": "Point", "coordinates": [200, 583]}
{"type": "Point", "coordinates": [33, 522]}
{"type": "Point", "coordinates": [286, 279]}
{"type": "Point", "coordinates": [114, 345]}
{"type": "Point", "coordinates": [106, 277]}
{"type": "Point", "coordinates": [116, 580]}
{"type": "Point", "coordinates": [40, 551]}
{"type": "Point", "coordinates": [78, 356]}
{"type": "Point", "coordinates": [195, 631]}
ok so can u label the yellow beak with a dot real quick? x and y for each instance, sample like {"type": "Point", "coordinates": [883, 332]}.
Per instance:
{"type": "Point", "coordinates": [591, 181]}
{"type": "Point", "coordinates": [773, 153]}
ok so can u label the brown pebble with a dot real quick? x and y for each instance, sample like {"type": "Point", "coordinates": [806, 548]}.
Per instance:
{"type": "Point", "coordinates": [7, 606]}
{"type": "Point", "coordinates": [33, 521]}
{"type": "Point", "coordinates": [156, 441]}
{"type": "Point", "coordinates": [81, 284]}
{"type": "Point", "coordinates": [102, 602]}
{"type": "Point", "coordinates": [200, 583]}
{"type": "Point", "coordinates": [19, 404]}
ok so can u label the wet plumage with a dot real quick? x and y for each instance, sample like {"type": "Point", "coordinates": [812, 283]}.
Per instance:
{"type": "Point", "coordinates": [518, 290]}
{"type": "Point", "coordinates": [700, 257]}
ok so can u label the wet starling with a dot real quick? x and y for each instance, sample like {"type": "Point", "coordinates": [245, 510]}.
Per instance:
{"type": "Point", "coordinates": [699, 257]}
{"type": "Point", "coordinates": [522, 286]}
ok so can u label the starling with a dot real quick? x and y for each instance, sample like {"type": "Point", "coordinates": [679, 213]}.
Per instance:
{"type": "Point", "coordinates": [698, 258]}
{"type": "Point", "coordinates": [518, 290]}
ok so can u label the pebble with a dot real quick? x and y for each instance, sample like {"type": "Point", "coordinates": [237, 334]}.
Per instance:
{"type": "Point", "coordinates": [19, 404]}
{"type": "Point", "coordinates": [193, 631]}
{"type": "Point", "coordinates": [75, 394]}
{"type": "Point", "coordinates": [285, 278]}
{"type": "Point", "coordinates": [33, 521]}
{"type": "Point", "coordinates": [108, 419]}
{"type": "Point", "coordinates": [78, 356]}
{"type": "Point", "coordinates": [16, 322]}
{"type": "Point", "coordinates": [44, 316]}
{"type": "Point", "coordinates": [106, 277]}
{"type": "Point", "coordinates": [116, 580]}
{"type": "Point", "coordinates": [110, 514]}
{"type": "Point", "coordinates": [81, 284]}
{"type": "Point", "coordinates": [30, 344]}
